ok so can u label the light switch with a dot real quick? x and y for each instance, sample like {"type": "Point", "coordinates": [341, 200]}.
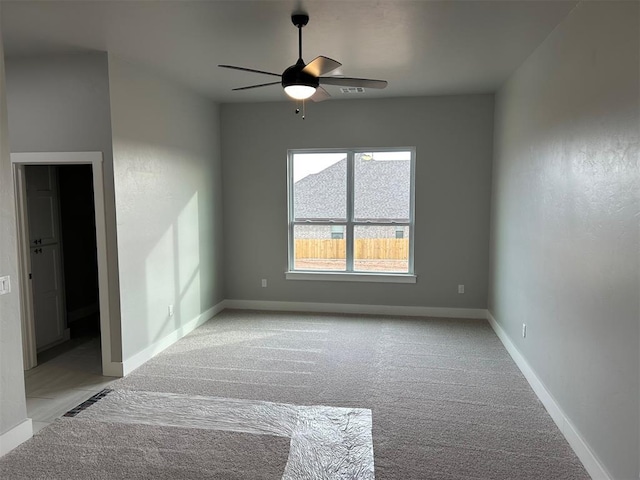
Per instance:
{"type": "Point", "coordinates": [5, 285]}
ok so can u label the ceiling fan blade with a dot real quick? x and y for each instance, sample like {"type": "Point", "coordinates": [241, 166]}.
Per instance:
{"type": "Point", "coordinates": [321, 66]}
{"type": "Point", "coordinates": [256, 86]}
{"type": "Point", "coordinates": [353, 82]}
{"type": "Point", "coordinates": [250, 70]}
{"type": "Point", "coordinates": [320, 96]}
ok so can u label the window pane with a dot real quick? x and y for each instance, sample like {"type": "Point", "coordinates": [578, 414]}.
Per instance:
{"type": "Point", "coordinates": [382, 186]}
{"type": "Point", "coordinates": [319, 247]}
{"type": "Point", "coordinates": [320, 186]}
{"type": "Point", "coordinates": [381, 249]}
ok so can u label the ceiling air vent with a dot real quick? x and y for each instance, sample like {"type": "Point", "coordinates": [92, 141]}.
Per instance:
{"type": "Point", "coordinates": [352, 90]}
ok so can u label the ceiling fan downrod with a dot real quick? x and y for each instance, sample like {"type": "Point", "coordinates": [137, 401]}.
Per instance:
{"type": "Point", "coordinates": [299, 20]}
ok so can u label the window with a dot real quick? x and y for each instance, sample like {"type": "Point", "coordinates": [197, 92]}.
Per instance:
{"type": "Point", "coordinates": [337, 232]}
{"type": "Point", "coordinates": [351, 212]}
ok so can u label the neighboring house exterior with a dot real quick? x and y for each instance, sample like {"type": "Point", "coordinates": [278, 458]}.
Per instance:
{"type": "Point", "coordinates": [381, 195]}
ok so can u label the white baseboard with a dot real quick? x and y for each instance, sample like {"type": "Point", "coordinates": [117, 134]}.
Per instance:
{"type": "Point", "coordinates": [133, 362]}
{"type": "Point", "coordinates": [479, 313]}
{"type": "Point", "coordinates": [573, 436]}
{"type": "Point", "coordinates": [14, 437]}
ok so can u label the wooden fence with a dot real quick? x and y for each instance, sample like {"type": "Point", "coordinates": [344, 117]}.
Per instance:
{"type": "Point", "coordinates": [365, 248]}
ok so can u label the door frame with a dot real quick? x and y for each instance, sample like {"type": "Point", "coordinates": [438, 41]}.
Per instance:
{"type": "Point", "coordinates": [19, 161]}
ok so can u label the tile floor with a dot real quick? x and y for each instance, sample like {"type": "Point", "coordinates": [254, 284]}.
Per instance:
{"type": "Point", "coordinates": [65, 377]}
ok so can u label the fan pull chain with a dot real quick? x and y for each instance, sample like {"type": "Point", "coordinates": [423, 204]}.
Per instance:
{"type": "Point", "coordinates": [298, 108]}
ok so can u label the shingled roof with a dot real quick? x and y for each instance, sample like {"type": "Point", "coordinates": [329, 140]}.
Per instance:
{"type": "Point", "coordinates": [380, 189]}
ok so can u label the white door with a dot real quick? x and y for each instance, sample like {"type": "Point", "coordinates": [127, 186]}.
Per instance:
{"type": "Point", "coordinates": [46, 258]}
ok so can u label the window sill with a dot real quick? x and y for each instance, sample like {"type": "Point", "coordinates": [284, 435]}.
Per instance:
{"type": "Point", "coordinates": [353, 277]}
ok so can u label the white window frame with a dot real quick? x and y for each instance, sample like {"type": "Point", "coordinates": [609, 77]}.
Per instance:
{"type": "Point", "coordinates": [350, 223]}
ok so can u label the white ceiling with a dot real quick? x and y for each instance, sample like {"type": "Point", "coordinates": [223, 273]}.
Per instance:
{"type": "Point", "coordinates": [420, 47]}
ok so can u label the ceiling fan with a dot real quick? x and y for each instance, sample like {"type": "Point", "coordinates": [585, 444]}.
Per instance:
{"type": "Point", "coordinates": [302, 81]}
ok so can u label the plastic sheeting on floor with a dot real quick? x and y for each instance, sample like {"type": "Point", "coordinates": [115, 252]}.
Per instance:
{"type": "Point", "coordinates": [326, 442]}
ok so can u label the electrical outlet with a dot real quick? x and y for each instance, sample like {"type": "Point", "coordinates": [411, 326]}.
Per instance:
{"type": "Point", "coordinates": [460, 288]}
{"type": "Point", "coordinates": [5, 285]}
{"type": "Point", "coordinates": [524, 330]}
{"type": "Point", "coordinates": [264, 283]}
{"type": "Point", "coordinates": [171, 310]}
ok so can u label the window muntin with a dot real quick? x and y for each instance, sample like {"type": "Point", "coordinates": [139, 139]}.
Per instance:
{"type": "Point", "coordinates": [351, 211]}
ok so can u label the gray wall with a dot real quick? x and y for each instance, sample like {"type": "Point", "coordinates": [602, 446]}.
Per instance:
{"type": "Point", "coordinates": [564, 248]}
{"type": "Point", "coordinates": [12, 395]}
{"type": "Point", "coordinates": [60, 103]}
{"type": "Point", "coordinates": [167, 175]}
{"type": "Point", "coordinates": [169, 203]}
{"type": "Point", "coordinates": [453, 140]}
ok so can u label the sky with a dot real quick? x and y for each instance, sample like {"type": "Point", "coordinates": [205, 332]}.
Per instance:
{"type": "Point", "coordinates": [305, 164]}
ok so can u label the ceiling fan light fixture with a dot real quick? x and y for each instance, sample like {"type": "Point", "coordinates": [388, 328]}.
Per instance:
{"type": "Point", "coordinates": [299, 92]}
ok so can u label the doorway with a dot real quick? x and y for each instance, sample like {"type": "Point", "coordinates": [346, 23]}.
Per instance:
{"type": "Point", "coordinates": [42, 251]}
{"type": "Point", "coordinates": [64, 267]}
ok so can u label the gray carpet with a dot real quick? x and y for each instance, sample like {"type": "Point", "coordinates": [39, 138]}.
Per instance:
{"type": "Point", "coordinates": [81, 450]}
{"type": "Point", "coordinates": [446, 402]}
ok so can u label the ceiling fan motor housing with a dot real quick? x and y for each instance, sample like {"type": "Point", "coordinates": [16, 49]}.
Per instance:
{"type": "Point", "coordinates": [295, 76]}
